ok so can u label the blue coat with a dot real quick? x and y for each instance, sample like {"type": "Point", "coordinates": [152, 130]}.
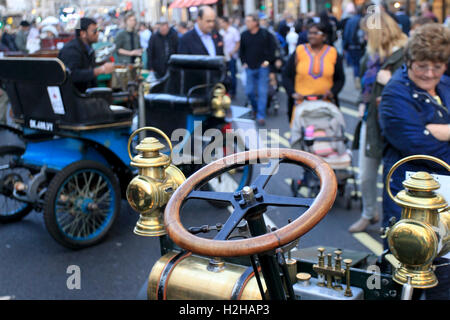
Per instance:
{"type": "Point", "coordinates": [404, 112]}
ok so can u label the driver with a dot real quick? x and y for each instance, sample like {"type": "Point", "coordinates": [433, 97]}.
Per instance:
{"type": "Point", "coordinates": [79, 56]}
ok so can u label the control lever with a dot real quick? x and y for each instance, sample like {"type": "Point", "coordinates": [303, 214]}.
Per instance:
{"type": "Point", "coordinates": [205, 228]}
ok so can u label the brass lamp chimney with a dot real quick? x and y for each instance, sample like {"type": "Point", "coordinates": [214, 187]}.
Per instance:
{"type": "Point", "coordinates": [150, 191]}
{"type": "Point", "coordinates": [220, 102]}
{"type": "Point", "coordinates": [422, 234]}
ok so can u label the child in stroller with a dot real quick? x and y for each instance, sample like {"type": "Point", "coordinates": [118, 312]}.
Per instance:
{"type": "Point", "coordinates": [318, 127]}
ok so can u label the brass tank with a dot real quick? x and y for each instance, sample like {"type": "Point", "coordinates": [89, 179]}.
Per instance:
{"type": "Point", "coordinates": [183, 276]}
{"type": "Point", "coordinates": [422, 234]}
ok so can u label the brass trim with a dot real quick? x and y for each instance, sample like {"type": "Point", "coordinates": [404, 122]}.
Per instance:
{"type": "Point", "coordinates": [160, 132]}
{"type": "Point", "coordinates": [85, 128]}
{"type": "Point", "coordinates": [407, 159]}
{"type": "Point", "coordinates": [96, 126]}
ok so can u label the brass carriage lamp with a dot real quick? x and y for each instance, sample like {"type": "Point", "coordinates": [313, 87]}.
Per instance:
{"type": "Point", "coordinates": [422, 234]}
{"type": "Point", "coordinates": [220, 102]}
{"type": "Point", "coordinates": [150, 191]}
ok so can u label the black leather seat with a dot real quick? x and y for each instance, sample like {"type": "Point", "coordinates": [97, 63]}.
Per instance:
{"type": "Point", "coordinates": [185, 90]}
{"type": "Point", "coordinates": [29, 83]}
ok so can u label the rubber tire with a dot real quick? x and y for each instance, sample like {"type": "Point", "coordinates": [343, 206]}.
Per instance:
{"type": "Point", "coordinates": [53, 190]}
{"type": "Point", "coordinates": [5, 151]}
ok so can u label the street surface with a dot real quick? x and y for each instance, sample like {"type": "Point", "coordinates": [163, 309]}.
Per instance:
{"type": "Point", "coordinates": [34, 266]}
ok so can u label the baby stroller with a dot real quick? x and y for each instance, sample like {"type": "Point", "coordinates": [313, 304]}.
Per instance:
{"type": "Point", "coordinates": [318, 127]}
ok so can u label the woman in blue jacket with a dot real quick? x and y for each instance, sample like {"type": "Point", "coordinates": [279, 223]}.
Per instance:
{"type": "Point", "coordinates": [414, 112]}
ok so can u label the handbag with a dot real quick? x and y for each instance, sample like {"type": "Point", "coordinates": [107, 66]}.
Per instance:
{"type": "Point", "coordinates": [356, 135]}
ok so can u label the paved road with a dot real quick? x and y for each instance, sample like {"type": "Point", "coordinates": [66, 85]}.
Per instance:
{"type": "Point", "coordinates": [34, 266]}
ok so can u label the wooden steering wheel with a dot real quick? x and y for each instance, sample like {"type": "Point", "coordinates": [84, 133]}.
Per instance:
{"type": "Point", "coordinates": [245, 205]}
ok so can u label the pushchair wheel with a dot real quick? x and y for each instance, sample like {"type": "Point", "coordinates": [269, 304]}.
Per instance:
{"type": "Point", "coordinates": [82, 203]}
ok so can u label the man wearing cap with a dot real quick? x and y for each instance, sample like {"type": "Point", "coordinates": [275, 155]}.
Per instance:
{"type": "Point", "coordinates": [202, 40]}
{"type": "Point", "coordinates": [79, 56]}
{"type": "Point", "coordinates": [22, 35]}
{"type": "Point", "coordinates": [162, 45]}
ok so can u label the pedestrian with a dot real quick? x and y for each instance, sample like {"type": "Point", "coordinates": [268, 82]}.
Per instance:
{"type": "Point", "coordinates": [417, 22]}
{"type": "Point", "coordinates": [8, 39]}
{"type": "Point", "coordinates": [22, 36]}
{"type": "Point", "coordinates": [384, 56]}
{"type": "Point", "coordinates": [127, 42]}
{"type": "Point", "coordinates": [3, 48]}
{"type": "Point", "coordinates": [292, 40]}
{"type": "Point", "coordinates": [182, 28]}
{"type": "Point", "coordinates": [285, 26]}
{"type": "Point", "coordinates": [231, 44]}
{"type": "Point", "coordinates": [330, 27]}
{"type": "Point", "coordinates": [162, 45]}
{"type": "Point", "coordinates": [354, 43]}
{"type": "Point", "coordinates": [426, 11]}
{"type": "Point", "coordinates": [257, 52]}
{"type": "Point", "coordinates": [202, 39]}
{"type": "Point", "coordinates": [315, 68]}
{"type": "Point", "coordinates": [414, 119]}
{"type": "Point", "coordinates": [79, 56]}
{"type": "Point", "coordinates": [403, 19]}
{"type": "Point", "coordinates": [144, 35]}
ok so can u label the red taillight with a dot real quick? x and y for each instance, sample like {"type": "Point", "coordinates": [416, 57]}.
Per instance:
{"type": "Point", "coordinates": [226, 128]}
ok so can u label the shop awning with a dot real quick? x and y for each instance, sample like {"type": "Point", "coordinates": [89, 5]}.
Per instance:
{"type": "Point", "coordinates": [190, 3]}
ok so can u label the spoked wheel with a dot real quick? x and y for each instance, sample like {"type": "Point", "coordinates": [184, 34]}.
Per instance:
{"type": "Point", "coordinates": [82, 203]}
{"type": "Point", "coordinates": [11, 209]}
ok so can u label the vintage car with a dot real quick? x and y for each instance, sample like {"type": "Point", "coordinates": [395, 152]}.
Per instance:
{"type": "Point", "coordinates": [244, 259]}
{"type": "Point", "coordinates": [66, 153]}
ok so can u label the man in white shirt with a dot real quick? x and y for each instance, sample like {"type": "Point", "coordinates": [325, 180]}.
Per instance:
{"type": "Point", "coordinates": [202, 40]}
{"type": "Point", "coordinates": [231, 42]}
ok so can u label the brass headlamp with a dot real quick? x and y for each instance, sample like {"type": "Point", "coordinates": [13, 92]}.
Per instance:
{"type": "Point", "coordinates": [150, 191]}
{"type": "Point", "coordinates": [422, 234]}
{"type": "Point", "coordinates": [220, 102]}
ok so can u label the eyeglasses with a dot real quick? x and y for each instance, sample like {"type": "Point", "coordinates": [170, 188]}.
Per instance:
{"type": "Point", "coordinates": [423, 68]}
{"type": "Point", "coordinates": [315, 33]}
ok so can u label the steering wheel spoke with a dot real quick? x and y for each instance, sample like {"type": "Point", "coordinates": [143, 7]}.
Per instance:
{"type": "Point", "coordinates": [210, 195]}
{"type": "Point", "coordinates": [261, 181]}
{"type": "Point", "coordinates": [283, 201]}
{"type": "Point", "coordinates": [232, 222]}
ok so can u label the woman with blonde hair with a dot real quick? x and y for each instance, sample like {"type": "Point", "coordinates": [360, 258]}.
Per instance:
{"type": "Point", "coordinates": [384, 55]}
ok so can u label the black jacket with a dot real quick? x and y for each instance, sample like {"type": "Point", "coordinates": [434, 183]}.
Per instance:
{"type": "Point", "coordinates": [159, 50]}
{"type": "Point", "coordinates": [80, 60]}
{"type": "Point", "coordinates": [257, 48]}
{"type": "Point", "coordinates": [190, 43]}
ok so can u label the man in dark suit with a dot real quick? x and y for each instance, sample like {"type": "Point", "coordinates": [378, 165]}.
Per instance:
{"type": "Point", "coordinates": [202, 40]}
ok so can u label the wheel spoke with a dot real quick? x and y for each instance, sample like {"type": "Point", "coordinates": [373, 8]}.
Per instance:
{"type": "Point", "coordinates": [231, 224]}
{"type": "Point", "coordinates": [283, 201]}
{"type": "Point", "coordinates": [210, 195]}
{"type": "Point", "coordinates": [262, 180]}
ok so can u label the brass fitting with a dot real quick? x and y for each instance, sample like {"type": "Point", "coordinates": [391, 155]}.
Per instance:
{"type": "Point", "coordinates": [150, 191]}
{"type": "Point", "coordinates": [220, 102]}
{"type": "Point", "coordinates": [422, 233]}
